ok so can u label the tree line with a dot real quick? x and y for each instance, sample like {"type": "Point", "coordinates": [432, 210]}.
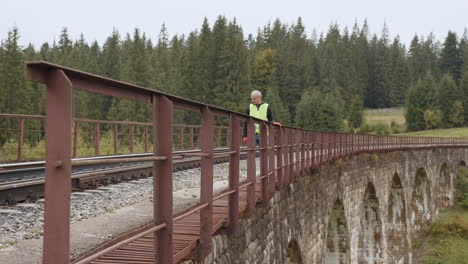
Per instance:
{"type": "Point", "coordinates": [319, 81]}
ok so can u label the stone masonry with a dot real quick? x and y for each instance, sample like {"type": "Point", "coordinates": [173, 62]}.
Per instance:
{"type": "Point", "coordinates": [362, 209]}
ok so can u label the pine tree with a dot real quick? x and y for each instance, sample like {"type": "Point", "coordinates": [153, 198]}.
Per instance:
{"type": "Point", "coordinates": [371, 99]}
{"type": "Point", "coordinates": [422, 58]}
{"type": "Point", "coordinates": [161, 62]}
{"type": "Point", "coordinates": [111, 56]}
{"type": "Point", "coordinates": [382, 82]}
{"type": "Point", "coordinates": [192, 82]}
{"type": "Point", "coordinates": [447, 95]}
{"type": "Point", "coordinates": [451, 58]}
{"type": "Point", "coordinates": [206, 58]}
{"type": "Point", "coordinates": [136, 70]}
{"type": "Point", "coordinates": [294, 79]}
{"type": "Point", "coordinates": [14, 96]}
{"type": "Point", "coordinates": [464, 94]}
{"type": "Point", "coordinates": [355, 113]}
{"type": "Point", "coordinates": [421, 96]}
{"type": "Point", "coordinates": [399, 74]}
{"type": "Point", "coordinates": [62, 53]}
{"type": "Point", "coordinates": [464, 50]}
{"type": "Point", "coordinates": [263, 80]}
{"type": "Point", "coordinates": [319, 112]}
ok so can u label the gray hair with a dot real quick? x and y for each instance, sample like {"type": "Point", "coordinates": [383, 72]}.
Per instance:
{"type": "Point", "coordinates": [256, 93]}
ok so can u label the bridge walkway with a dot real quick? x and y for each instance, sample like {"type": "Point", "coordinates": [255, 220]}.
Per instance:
{"type": "Point", "coordinates": [186, 235]}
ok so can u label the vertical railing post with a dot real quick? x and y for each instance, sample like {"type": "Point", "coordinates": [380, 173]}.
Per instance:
{"type": "Point", "coordinates": [271, 158]}
{"type": "Point", "coordinates": [146, 138]}
{"type": "Point", "coordinates": [340, 145]}
{"type": "Point", "coordinates": [308, 135]}
{"type": "Point", "coordinates": [20, 138]}
{"type": "Point", "coordinates": [264, 163]}
{"type": "Point", "coordinates": [279, 157]}
{"type": "Point", "coordinates": [296, 152]}
{"type": "Point", "coordinates": [303, 146]}
{"type": "Point", "coordinates": [181, 137]}
{"type": "Point", "coordinates": [191, 137]}
{"type": "Point", "coordinates": [297, 138]}
{"type": "Point", "coordinates": [313, 150]}
{"type": "Point", "coordinates": [286, 156]}
{"type": "Point", "coordinates": [162, 178]}
{"type": "Point", "coordinates": [206, 189]}
{"type": "Point", "coordinates": [218, 138]}
{"type": "Point", "coordinates": [234, 173]}
{"type": "Point", "coordinates": [131, 137]}
{"type": "Point", "coordinates": [347, 141]}
{"type": "Point", "coordinates": [116, 138]}
{"type": "Point", "coordinates": [76, 135]}
{"type": "Point", "coordinates": [291, 155]}
{"type": "Point", "coordinates": [97, 139]}
{"type": "Point", "coordinates": [57, 190]}
{"type": "Point", "coordinates": [251, 171]}
{"type": "Point", "coordinates": [321, 147]}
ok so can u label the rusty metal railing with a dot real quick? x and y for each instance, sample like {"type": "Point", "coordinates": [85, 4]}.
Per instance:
{"type": "Point", "coordinates": [186, 136]}
{"type": "Point", "coordinates": [285, 154]}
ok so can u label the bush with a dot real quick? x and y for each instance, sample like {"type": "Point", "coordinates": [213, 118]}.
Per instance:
{"type": "Point", "coordinates": [381, 129]}
{"type": "Point", "coordinates": [463, 201]}
{"type": "Point", "coordinates": [432, 118]}
{"type": "Point", "coordinates": [462, 187]}
{"type": "Point", "coordinates": [394, 128]}
{"type": "Point", "coordinates": [365, 128]}
{"type": "Point", "coordinates": [378, 128]}
{"type": "Point", "coordinates": [453, 226]}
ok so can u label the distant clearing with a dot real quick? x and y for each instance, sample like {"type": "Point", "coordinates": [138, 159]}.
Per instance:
{"type": "Point", "coordinates": [449, 132]}
{"type": "Point", "coordinates": [385, 116]}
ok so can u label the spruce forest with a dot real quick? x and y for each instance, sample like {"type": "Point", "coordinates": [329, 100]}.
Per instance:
{"type": "Point", "coordinates": [320, 81]}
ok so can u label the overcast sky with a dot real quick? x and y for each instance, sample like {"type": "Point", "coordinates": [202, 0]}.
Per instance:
{"type": "Point", "coordinates": [42, 21]}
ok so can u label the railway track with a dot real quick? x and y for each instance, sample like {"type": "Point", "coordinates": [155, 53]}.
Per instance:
{"type": "Point", "coordinates": [25, 181]}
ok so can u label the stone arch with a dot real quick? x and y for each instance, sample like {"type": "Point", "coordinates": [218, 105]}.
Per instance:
{"type": "Point", "coordinates": [443, 187]}
{"type": "Point", "coordinates": [293, 253]}
{"type": "Point", "coordinates": [420, 201]}
{"type": "Point", "coordinates": [337, 238]}
{"type": "Point", "coordinates": [370, 236]}
{"type": "Point", "coordinates": [397, 241]}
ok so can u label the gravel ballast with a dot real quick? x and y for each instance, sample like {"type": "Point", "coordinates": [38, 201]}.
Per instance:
{"type": "Point", "coordinates": [24, 222]}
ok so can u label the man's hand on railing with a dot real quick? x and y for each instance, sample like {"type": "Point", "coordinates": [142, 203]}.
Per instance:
{"type": "Point", "coordinates": [277, 123]}
{"type": "Point", "coordinates": [244, 139]}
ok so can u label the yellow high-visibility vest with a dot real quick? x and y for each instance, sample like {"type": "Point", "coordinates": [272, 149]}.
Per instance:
{"type": "Point", "coordinates": [260, 113]}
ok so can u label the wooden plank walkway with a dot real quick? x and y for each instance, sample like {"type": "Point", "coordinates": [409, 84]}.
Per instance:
{"type": "Point", "coordinates": [185, 236]}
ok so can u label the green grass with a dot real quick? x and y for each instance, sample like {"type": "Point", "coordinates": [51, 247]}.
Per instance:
{"type": "Point", "coordinates": [9, 151]}
{"type": "Point", "coordinates": [447, 239]}
{"type": "Point", "coordinates": [385, 116]}
{"type": "Point", "coordinates": [450, 132]}
{"type": "Point", "coordinates": [383, 121]}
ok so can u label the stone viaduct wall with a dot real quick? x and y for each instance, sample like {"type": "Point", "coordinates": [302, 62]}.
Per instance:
{"type": "Point", "coordinates": [362, 209]}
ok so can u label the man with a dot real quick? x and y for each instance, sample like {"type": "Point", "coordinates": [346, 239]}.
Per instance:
{"type": "Point", "coordinates": [259, 110]}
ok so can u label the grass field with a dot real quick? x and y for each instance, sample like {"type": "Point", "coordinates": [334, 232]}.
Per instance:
{"type": "Point", "coordinates": [384, 121]}
{"type": "Point", "coordinates": [388, 115]}
{"type": "Point", "coordinates": [447, 240]}
{"type": "Point", "coordinates": [385, 116]}
{"type": "Point", "coordinates": [449, 132]}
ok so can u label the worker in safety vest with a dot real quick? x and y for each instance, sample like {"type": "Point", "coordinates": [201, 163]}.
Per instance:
{"type": "Point", "coordinates": [259, 110]}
